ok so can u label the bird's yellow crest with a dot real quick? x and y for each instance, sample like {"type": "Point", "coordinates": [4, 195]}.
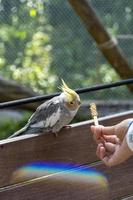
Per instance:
{"type": "Point", "coordinates": [71, 94]}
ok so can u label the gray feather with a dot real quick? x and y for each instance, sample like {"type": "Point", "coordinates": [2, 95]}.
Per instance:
{"type": "Point", "coordinates": [44, 111]}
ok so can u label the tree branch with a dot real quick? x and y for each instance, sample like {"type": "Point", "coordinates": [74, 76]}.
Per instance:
{"type": "Point", "coordinates": [10, 90]}
{"type": "Point", "coordinates": [105, 42]}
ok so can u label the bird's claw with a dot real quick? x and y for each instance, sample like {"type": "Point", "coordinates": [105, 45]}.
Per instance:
{"type": "Point", "coordinates": [66, 127]}
{"type": "Point", "coordinates": [56, 135]}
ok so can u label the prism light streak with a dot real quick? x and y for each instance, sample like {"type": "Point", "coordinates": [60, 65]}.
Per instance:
{"type": "Point", "coordinates": [59, 172]}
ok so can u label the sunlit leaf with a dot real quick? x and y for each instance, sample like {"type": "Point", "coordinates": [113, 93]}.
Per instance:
{"type": "Point", "coordinates": [33, 12]}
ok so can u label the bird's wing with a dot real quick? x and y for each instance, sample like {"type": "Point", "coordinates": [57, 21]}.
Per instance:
{"type": "Point", "coordinates": [46, 115]}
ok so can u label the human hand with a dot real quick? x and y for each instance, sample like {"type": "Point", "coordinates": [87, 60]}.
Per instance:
{"type": "Point", "coordinates": [112, 148]}
{"type": "Point", "coordinates": [119, 130]}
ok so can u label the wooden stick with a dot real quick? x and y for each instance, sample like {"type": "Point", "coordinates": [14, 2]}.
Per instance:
{"type": "Point", "coordinates": [94, 115]}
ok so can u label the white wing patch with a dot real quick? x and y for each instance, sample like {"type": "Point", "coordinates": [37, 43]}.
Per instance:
{"type": "Point", "coordinates": [38, 125]}
{"type": "Point", "coordinates": [51, 121]}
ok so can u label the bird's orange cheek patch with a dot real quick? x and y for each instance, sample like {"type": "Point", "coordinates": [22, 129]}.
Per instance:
{"type": "Point", "coordinates": [71, 106]}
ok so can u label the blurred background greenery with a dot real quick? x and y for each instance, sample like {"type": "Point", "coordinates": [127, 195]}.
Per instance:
{"type": "Point", "coordinates": [42, 41]}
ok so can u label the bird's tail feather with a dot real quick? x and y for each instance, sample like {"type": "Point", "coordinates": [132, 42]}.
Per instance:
{"type": "Point", "coordinates": [19, 132]}
{"type": "Point", "coordinates": [26, 131]}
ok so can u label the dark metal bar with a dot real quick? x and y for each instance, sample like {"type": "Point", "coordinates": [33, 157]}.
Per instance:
{"type": "Point", "coordinates": [79, 91]}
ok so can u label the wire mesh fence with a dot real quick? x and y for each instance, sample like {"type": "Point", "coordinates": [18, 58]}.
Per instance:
{"type": "Point", "coordinates": [43, 41]}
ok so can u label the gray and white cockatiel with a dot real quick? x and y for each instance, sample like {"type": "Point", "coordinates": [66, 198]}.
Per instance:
{"type": "Point", "coordinates": [53, 114]}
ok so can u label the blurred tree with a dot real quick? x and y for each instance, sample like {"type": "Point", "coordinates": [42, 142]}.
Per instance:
{"type": "Point", "coordinates": [73, 51]}
{"type": "Point", "coordinates": [111, 51]}
{"type": "Point", "coordinates": [74, 54]}
{"type": "Point", "coordinates": [118, 19]}
{"type": "Point", "coordinates": [71, 46]}
{"type": "Point", "coordinates": [10, 90]}
{"type": "Point", "coordinates": [24, 43]}
{"type": "Point", "coordinates": [41, 41]}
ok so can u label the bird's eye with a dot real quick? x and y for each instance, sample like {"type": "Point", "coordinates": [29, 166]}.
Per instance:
{"type": "Point", "coordinates": [71, 102]}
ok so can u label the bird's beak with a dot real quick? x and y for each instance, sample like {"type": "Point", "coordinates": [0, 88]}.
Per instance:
{"type": "Point", "coordinates": [79, 103]}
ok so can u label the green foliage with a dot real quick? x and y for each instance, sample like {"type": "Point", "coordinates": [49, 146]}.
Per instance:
{"type": "Point", "coordinates": [25, 44]}
{"type": "Point", "coordinates": [35, 70]}
{"type": "Point", "coordinates": [74, 53]}
{"type": "Point", "coordinates": [43, 41]}
{"type": "Point", "coordinates": [8, 126]}
{"type": "Point", "coordinates": [118, 19]}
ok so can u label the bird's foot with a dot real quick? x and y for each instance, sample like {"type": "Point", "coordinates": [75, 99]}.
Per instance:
{"type": "Point", "coordinates": [66, 127]}
{"type": "Point", "coordinates": [56, 135]}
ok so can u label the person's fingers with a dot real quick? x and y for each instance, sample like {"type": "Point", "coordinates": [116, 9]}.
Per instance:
{"type": "Point", "coordinates": [111, 138]}
{"type": "Point", "coordinates": [97, 133]}
{"type": "Point", "coordinates": [100, 130]}
{"type": "Point", "coordinates": [119, 130]}
{"type": "Point", "coordinates": [110, 147]}
{"type": "Point", "coordinates": [107, 161]}
{"type": "Point", "coordinates": [121, 153]}
{"type": "Point", "coordinates": [100, 152]}
{"type": "Point", "coordinates": [108, 130]}
{"type": "Point", "coordinates": [105, 153]}
{"type": "Point", "coordinates": [92, 128]}
{"type": "Point", "coordinates": [108, 153]}
{"type": "Point", "coordinates": [98, 149]}
{"type": "Point", "coordinates": [112, 160]}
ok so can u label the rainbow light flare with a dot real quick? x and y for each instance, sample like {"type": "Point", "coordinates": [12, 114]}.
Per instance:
{"type": "Point", "coordinates": [58, 171]}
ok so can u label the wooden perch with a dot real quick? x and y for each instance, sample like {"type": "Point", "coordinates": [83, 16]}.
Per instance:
{"type": "Point", "coordinates": [105, 42]}
{"type": "Point", "coordinates": [10, 90]}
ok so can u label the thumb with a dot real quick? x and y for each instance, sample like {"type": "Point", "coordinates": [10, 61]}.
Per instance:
{"type": "Point", "coordinates": [100, 130]}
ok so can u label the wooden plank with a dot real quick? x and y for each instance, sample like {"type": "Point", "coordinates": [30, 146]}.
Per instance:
{"type": "Point", "coordinates": [73, 145]}
{"type": "Point", "coordinates": [59, 187]}
{"type": "Point", "coordinates": [120, 179]}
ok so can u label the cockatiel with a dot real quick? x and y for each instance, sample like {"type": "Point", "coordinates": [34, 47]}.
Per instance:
{"type": "Point", "coordinates": [53, 114]}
